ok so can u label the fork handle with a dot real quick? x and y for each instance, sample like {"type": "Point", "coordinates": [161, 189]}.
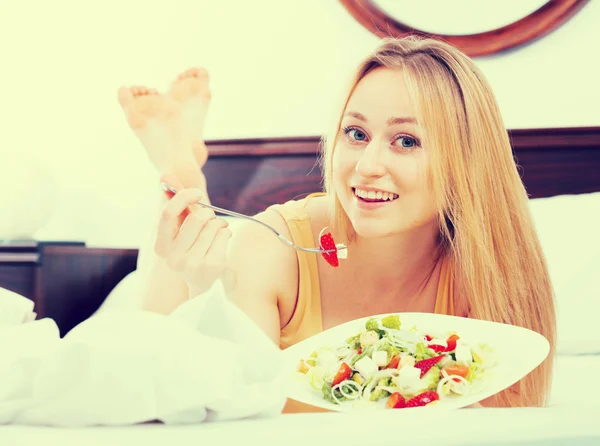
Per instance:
{"type": "Point", "coordinates": [236, 214]}
{"type": "Point", "coordinates": [247, 217]}
{"type": "Point", "coordinates": [279, 236]}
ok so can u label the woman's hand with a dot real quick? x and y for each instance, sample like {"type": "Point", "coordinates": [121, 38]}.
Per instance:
{"type": "Point", "coordinates": [191, 239]}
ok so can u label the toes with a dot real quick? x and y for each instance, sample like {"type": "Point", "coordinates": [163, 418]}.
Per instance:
{"type": "Point", "coordinates": [140, 90]}
{"type": "Point", "coordinates": [185, 88]}
{"type": "Point", "coordinates": [194, 72]}
{"type": "Point", "coordinates": [198, 72]}
{"type": "Point", "coordinates": [192, 83]}
{"type": "Point", "coordinates": [125, 96]}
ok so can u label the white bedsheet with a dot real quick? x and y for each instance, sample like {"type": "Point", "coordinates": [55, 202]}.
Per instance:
{"type": "Point", "coordinates": [575, 382]}
{"type": "Point", "coordinates": [490, 427]}
{"type": "Point", "coordinates": [121, 368]}
{"type": "Point", "coordinates": [572, 418]}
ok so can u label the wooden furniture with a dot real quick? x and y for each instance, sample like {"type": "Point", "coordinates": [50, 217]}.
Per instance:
{"type": "Point", "coordinates": [68, 282]}
{"type": "Point", "coordinates": [261, 172]}
{"type": "Point", "coordinates": [540, 22]}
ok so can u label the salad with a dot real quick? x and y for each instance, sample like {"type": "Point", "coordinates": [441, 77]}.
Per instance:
{"type": "Point", "coordinates": [404, 367]}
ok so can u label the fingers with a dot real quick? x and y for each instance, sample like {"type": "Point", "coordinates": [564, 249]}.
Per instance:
{"type": "Point", "coordinates": [204, 243]}
{"type": "Point", "coordinates": [190, 230]}
{"type": "Point", "coordinates": [205, 261]}
{"type": "Point", "coordinates": [216, 258]}
{"type": "Point", "coordinates": [193, 262]}
{"type": "Point", "coordinates": [216, 254]}
{"type": "Point", "coordinates": [191, 239]}
{"type": "Point", "coordinates": [172, 217]}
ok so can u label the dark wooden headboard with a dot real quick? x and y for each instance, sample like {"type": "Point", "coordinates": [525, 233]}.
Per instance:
{"type": "Point", "coordinates": [68, 283]}
{"type": "Point", "coordinates": [249, 175]}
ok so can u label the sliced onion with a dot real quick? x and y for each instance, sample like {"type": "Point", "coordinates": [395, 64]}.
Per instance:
{"type": "Point", "coordinates": [451, 378]}
{"type": "Point", "coordinates": [349, 383]}
{"type": "Point", "coordinates": [401, 343]}
{"type": "Point", "coordinates": [335, 397]}
{"type": "Point", "coordinates": [396, 343]}
{"type": "Point", "coordinates": [343, 352]}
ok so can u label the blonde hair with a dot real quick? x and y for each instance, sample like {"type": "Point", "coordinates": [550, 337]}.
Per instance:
{"type": "Point", "coordinates": [484, 219]}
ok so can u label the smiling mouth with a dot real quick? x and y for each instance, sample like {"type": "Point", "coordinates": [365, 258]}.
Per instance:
{"type": "Point", "coordinates": [374, 197]}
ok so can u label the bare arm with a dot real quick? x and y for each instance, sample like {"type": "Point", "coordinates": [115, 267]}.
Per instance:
{"type": "Point", "coordinates": [163, 289]}
{"type": "Point", "coordinates": [259, 270]}
{"type": "Point", "coordinates": [265, 272]}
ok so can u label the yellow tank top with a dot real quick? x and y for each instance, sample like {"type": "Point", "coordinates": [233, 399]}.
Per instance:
{"type": "Point", "coordinates": [307, 320]}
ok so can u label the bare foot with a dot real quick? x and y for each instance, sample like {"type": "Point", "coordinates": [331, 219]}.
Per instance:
{"type": "Point", "coordinates": [190, 89]}
{"type": "Point", "coordinates": [156, 120]}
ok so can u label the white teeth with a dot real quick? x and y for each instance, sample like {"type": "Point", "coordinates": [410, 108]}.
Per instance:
{"type": "Point", "coordinates": [373, 195]}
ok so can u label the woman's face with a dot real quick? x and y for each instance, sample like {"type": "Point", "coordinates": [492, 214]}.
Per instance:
{"type": "Point", "coordinates": [379, 164]}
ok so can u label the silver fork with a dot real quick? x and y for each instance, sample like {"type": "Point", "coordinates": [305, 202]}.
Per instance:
{"type": "Point", "coordinates": [286, 241]}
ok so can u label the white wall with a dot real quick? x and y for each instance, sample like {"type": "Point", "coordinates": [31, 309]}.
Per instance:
{"type": "Point", "coordinates": [276, 66]}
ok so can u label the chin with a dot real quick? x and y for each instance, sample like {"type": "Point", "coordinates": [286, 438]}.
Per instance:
{"type": "Point", "coordinates": [371, 228]}
{"type": "Point", "coordinates": [381, 228]}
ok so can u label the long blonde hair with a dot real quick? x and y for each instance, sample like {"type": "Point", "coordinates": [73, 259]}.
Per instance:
{"type": "Point", "coordinates": [484, 219]}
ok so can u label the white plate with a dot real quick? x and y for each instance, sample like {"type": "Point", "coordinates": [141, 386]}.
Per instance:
{"type": "Point", "coordinates": [518, 351]}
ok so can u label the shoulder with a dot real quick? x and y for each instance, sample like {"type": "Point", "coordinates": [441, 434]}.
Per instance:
{"type": "Point", "coordinates": [301, 209]}
{"type": "Point", "coordinates": [301, 218]}
{"type": "Point", "coordinates": [262, 273]}
{"type": "Point", "coordinates": [254, 242]}
{"type": "Point", "coordinates": [256, 252]}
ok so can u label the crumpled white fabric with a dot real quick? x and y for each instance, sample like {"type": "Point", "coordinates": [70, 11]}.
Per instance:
{"type": "Point", "coordinates": [205, 361]}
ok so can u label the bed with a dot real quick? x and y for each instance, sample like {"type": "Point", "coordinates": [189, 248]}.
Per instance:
{"type": "Point", "coordinates": [489, 427]}
{"type": "Point", "coordinates": [561, 170]}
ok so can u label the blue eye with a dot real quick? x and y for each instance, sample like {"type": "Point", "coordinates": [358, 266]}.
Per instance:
{"type": "Point", "coordinates": [407, 142]}
{"type": "Point", "coordinates": [355, 134]}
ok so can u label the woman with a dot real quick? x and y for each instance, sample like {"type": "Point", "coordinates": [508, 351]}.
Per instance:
{"type": "Point", "coordinates": [420, 183]}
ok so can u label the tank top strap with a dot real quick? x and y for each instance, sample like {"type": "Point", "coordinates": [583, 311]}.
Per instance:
{"type": "Point", "coordinates": [444, 302]}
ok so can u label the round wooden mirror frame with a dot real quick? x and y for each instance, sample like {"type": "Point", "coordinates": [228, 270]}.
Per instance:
{"type": "Point", "coordinates": [537, 24]}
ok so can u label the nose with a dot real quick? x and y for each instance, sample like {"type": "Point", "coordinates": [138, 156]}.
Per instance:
{"type": "Point", "coordinates": [371, 163]}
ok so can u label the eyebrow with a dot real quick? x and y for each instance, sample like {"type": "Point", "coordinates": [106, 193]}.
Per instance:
{"type": "Point", "coordinates": [391, 121]}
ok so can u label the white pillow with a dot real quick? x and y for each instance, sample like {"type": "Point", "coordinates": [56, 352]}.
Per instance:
{"type": "Point", "coordinates": [567, 226]}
